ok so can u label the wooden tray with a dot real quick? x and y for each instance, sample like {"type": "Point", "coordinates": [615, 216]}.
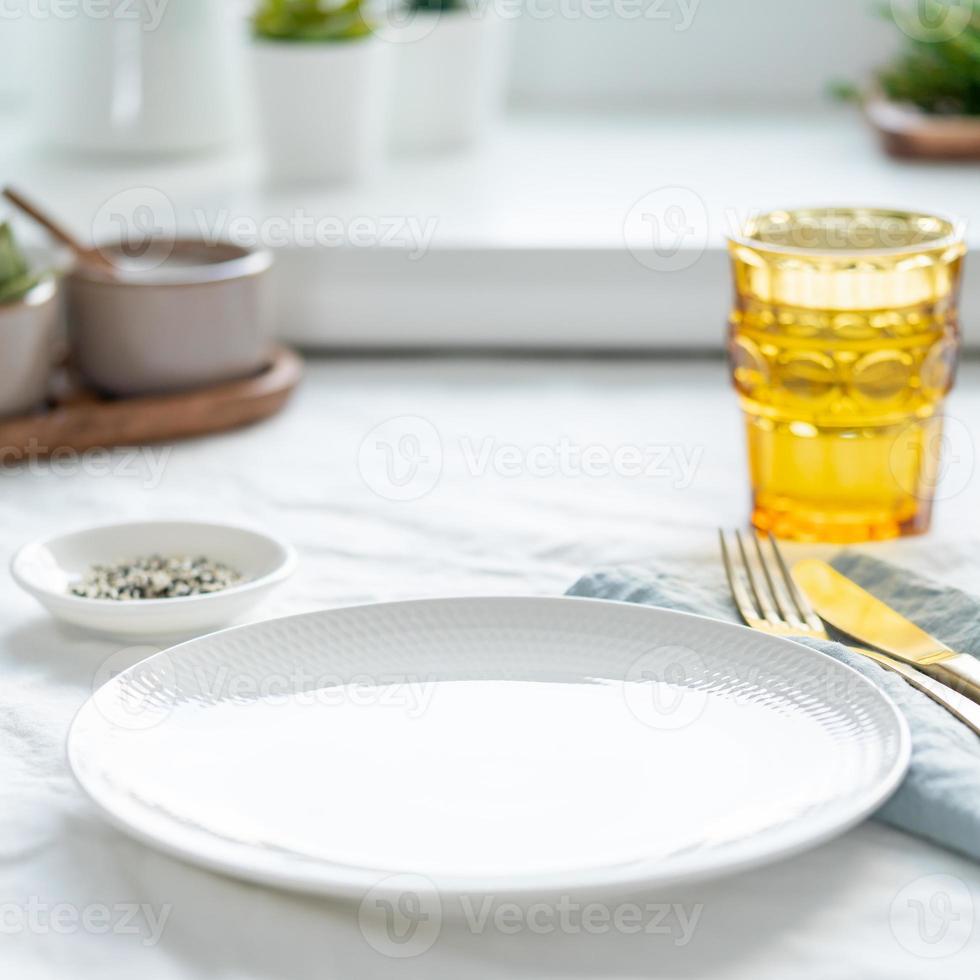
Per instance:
{"type": "Point", "coordinates": [80, 419]}
{"type": "Point", "coordinates": [908, 132]}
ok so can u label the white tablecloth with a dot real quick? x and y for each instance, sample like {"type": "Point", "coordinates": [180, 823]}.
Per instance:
{"type": "Point", "coordinates": [530, 493]}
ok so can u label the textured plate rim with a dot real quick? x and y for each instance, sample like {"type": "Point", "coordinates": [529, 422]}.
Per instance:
{"type": "Point", "coordinates": [326, 878]}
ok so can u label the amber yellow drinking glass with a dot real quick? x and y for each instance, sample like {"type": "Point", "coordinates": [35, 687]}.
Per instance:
{"type": "Point", "coordinates": [843, 347]}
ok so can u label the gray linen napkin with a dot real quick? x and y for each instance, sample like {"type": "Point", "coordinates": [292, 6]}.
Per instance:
{"type": "Point", "coordinates": [940, 797]}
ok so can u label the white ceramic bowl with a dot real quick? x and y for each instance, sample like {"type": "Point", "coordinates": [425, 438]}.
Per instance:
{"type": "Point", "coordinates": [47, 568]}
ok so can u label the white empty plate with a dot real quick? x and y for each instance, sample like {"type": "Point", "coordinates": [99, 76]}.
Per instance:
{"type": "Point", "coordinates": [506, 746]}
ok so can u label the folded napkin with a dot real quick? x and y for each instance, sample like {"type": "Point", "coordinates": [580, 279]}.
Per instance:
{"type": "Point", "coordinates": [940, 797]}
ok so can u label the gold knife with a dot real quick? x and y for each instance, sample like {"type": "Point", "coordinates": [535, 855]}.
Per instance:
{"type": "Point", "coordinates": [853, 611]}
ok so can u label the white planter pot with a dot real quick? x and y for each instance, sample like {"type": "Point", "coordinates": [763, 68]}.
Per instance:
{"type": "Point", "coordinates": [145, 79]}
{"type": "Point", "coordinates": [450, 79]}
{"type": "Point", "coordinates": [321, 107]}
{"type": "Point", "coordinates": [27, 332]}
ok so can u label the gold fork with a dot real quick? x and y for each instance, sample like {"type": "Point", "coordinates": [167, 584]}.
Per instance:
{"type": "Point", "coordinates": [769, 600]}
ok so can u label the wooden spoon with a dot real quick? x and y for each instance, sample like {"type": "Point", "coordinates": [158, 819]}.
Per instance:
{"type": "Point", "coordinates": [86, 255]}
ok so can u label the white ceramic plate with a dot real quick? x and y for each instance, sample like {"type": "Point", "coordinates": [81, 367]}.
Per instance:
{"type": "Point", "coordinates": [47, 568]}
{"type": "Point", "coordinates": [505, 746]}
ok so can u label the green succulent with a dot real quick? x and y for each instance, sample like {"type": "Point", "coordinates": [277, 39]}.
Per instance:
{"type": "Point", "coordinates": [310, 20]}
{"type": "Point", "coordinates": [16, 278]}
{"type": "Point", "coordinates": [940, 73]}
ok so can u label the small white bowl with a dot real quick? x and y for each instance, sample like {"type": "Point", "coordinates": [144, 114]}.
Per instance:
{"type": "Point", "coordinates": [47, 569]}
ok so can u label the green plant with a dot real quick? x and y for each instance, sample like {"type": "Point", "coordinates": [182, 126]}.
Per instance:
{"type": "Point", "coordinates": [16, 278]}
{"type": "Point", "coordinates": [310, 20]}
{"type": "Point", "coordinates": [939, 71]}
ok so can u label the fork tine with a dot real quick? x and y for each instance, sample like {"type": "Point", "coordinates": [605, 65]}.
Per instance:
{"type": "Point", "coordinates": [762, 596]}
{"type": "Point", "coordinates": [776, 583]}
{"type": "Point", "coordinates": [764, 565]}
{"type": "Point", "coordinates": [740, 594]}
{"type": "Point", "coordinates": [802, 603]}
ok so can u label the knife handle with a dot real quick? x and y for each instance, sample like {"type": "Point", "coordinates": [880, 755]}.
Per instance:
{"type": "Point", "coordinates": [959, 671]}
{"type": "Point", "coordinates": [956, 704]}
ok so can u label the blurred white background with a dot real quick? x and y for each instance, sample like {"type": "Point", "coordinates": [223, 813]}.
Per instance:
{"type": "Point", "coordinates": [689, 53]}
{"type": "Point", "coordinates": [591, 53]}
{"type": "Point", "coordinates": [616, 110]}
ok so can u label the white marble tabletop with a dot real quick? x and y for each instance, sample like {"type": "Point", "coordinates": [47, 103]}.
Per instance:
{"type": "Point", "coordinates": [514, 476]}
